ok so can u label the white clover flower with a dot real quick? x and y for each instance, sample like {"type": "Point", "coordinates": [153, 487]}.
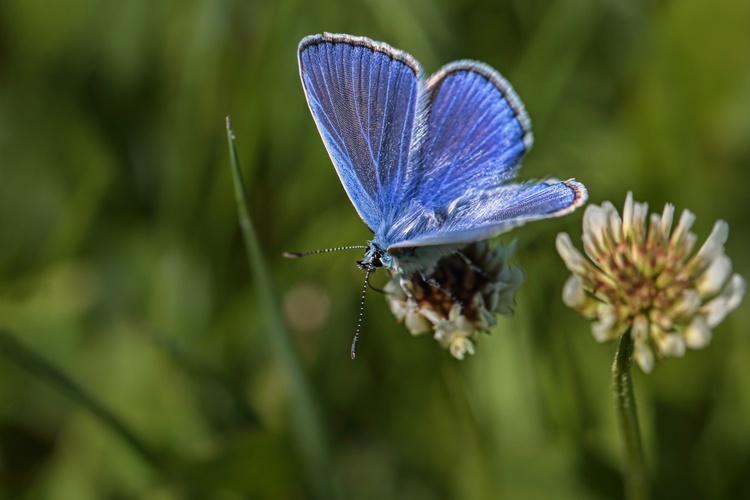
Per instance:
{"type": "Point", "coordinates": [465, 292]}
{"type": "Point", "coordinates": [640, 278]}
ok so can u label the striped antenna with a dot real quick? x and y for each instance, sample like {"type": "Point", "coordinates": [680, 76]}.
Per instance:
{"type": "Point", "coordinates": [297, 255]}
{"type": "Point", "coordinates": [368, 270]}
{"type": "Point", "coordinates": [361, 312]}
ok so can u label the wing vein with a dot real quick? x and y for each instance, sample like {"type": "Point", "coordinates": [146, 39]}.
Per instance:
{"type": "Point", "coordinates": [468, 136]}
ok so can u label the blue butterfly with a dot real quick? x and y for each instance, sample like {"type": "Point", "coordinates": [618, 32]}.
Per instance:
{"type": "Point", "coordinates": [427, 163]}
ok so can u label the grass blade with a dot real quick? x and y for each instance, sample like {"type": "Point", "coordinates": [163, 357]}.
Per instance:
{"type": "Point", "coordinates": [307, 425]}
{"type": "Point", "coordinates": [45, 370]}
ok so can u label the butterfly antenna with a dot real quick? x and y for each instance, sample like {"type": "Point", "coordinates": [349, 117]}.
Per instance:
{"type": "Point", "coordinates": [361, 312]}
{"type": "Point", "coordinates": [297, 255]}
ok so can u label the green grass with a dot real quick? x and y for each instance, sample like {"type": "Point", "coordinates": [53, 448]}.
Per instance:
{"type": "Point", "coordinates": [123, 268]}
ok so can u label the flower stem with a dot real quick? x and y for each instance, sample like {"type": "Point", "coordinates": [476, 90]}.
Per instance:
{"type": "Point", "coordinates": [627, 420]}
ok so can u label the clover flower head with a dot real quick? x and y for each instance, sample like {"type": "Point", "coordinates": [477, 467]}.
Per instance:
{"type": "Point", "coordinates": [459, 297]}
{"type": "Point", "coordinates": [641, 277]}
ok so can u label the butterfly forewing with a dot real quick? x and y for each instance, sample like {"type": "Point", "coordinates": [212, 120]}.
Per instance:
{"type": "Point", "coordinates": [363, 96]}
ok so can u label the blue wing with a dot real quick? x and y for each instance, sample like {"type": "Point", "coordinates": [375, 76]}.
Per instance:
{"type": "Point", "coordinates": [475, 133]}
{"type": "Point", "coordinates": [363, 96]}
{"type": "Point", "coordinates": [480, 215]}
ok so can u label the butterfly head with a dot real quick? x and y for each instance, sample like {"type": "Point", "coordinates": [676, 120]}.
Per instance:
{"type": "Point", "coordinates": [375, 257]}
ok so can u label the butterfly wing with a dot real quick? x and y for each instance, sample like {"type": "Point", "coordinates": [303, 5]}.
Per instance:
{"type": "Point", "coordinates": [363, 97]}
{"type": "Point", "coordinates": [484, 215]}
{"type": "Point", "coordinates": [475, 133]}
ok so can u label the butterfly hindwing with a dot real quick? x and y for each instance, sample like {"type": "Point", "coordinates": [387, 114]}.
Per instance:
{"type": "Point", "coordinates": [476, 131]}
{"type": "Point", "coordinates": [363, 96]}
{"type": "Point", "coordinates": [483, 215]}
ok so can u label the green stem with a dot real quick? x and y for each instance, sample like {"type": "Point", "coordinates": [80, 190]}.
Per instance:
{"type": "Point", "coordinates": [45, 370]}
{"type": "Point", "coordinates": [627, 420]}
{"type": "Point", "coordinates": [307, 424]}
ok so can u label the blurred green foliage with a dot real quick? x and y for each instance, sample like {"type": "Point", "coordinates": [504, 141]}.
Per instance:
{"type": "Point", "coordinates": [122, 265]}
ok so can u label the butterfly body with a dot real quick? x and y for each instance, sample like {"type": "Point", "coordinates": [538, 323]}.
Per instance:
{"type": "Point", "coordinates": [427, 163]}
{"type": "Point", "coordinates": [407, 260]}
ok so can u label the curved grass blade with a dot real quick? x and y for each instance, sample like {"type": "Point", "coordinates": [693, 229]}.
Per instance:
{"type": "Point", "coordinates": [199, 370]}
{"type": "Point", "coordinates": [306, 421]}
{"type": "Point", "coordinates": [45, 370]}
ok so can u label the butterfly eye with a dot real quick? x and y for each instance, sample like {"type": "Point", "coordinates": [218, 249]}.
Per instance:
{"type": "Point", "coordinates": [373, 262]}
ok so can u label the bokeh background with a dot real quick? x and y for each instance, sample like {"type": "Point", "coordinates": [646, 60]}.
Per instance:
{"type": "Point", "coordinates": [138, 358]}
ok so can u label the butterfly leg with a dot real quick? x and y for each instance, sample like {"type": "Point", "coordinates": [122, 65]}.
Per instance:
{"type": "Point", "coordinates": [433, 283]}
{"type": "Point", "coordinates": [473, 266]}
{"type": "Point", "coordinates": [411, 300]}
{"type": "Point", "coordinates": [404, 282]}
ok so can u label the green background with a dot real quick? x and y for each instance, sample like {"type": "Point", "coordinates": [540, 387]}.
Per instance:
{"type": "Point", "coordinates": [122, 263]}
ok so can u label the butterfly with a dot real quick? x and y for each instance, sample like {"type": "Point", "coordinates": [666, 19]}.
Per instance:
{"type": "Point", "coordinates": [426, 162]}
